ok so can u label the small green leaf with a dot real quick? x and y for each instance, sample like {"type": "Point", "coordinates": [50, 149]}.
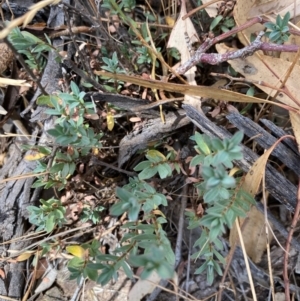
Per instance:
{"type": "Point", "coordinates": [211, 195]}
{"type": "Point", "coordinates": [215, 22]}
{"type": "Point", "coordinates": [127, 269]}
{"type": "Point", "coordinates": [274, 36]}
{"type": "Point", "coordinates": [279, 21]}
{"type": "Point", "coordinates": [142, 165]}
{"type": "Point", "coordinates": [155, 156]}
{"type": "Point", "coordinates": [119, 208]}
{"type": "Point", "coordinates": [56, 168]}
{"type": "Point", "coordinates": [270, 25]}
{"type": "Point", "coordinates": [133, 213]}
{"type": "Point", "coordinates": [75, 88]}
{"type": "Point", "coordinates": [50, 223]}
{"type": "Point", "coordinates": [197, 160]}
{"type": "Point", "coordinates": [164, 170]}
{"type": "Point", "coordinates": [202, 144]}
{"type": "Point", "coordinates": [286, 19]}
{"type": "Point", "coordinates": [106, 275]}
{"type": "Point", "coordinates": [90, 273]}
{"type": "Point", "coordinates": [123, 194]}
{"type": "Point", "coordinates": [148, 173]}
{"type": "Point", "coordinates": [228, 182]}
{"type": "Point", "coordinates": [76, 263]}
{"type": "Point", "coordinates": [202, 268]}
{"type": "Point", "coordinates": [46, 100]}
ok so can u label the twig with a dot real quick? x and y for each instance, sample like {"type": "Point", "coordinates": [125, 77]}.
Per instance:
{"type": "Point", "coordinates": [98, 162]}
{"type": "Point", "coordinates": [287, 248]}
{"type": "Point", "coordinates": [78, 289]}
{"type": "Point", "coordinates": [193, 11]}
{"type": "Point", "coordinates": [179, 239]}
{"type": "Point", "coordinates": [246, 260]}
{"type": "Point", "coordinates": [272, 287]}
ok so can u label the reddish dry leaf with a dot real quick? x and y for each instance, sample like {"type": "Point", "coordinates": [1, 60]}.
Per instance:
{"type": "Point", "coordinates": [92, 116]}
{"type": "Point", "coordinates": [144, 94]}
{"type": "Point", "coordinates": [42, 266]}
{"type": "Point", "coordinates": [135, 119]}
{"type": "Point", "coordinates": [73, 211]}
{"type": "Point", "coordinates": [97, 180]}
{"type": "Point", "coordinates": [199, 210]}
{"type": "Point", "coordinates": [215, 112]}
{"type": "Point", "coordinates": [230, 108]}
{"type": "Point", "coordinates": [112, 29]}
{"type": "Point", "coordinates": [190, 180]}
{"type": "Point", "coordinates": [2, 274]}
{"type": "Point", "coordinates": [37, 26]}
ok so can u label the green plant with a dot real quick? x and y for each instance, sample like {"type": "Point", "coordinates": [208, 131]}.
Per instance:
{"type": "Point", "coordinates": [128, 5]}
{"type": "Point", "coordinates": [145, 57]}
{"type": "Point", "coordinates": [112, 65]}
{"type": "Point", "coordinates": [144, 232]}
{"type": "Point", "coordinates": [278, 32]}
{"type": "Point", "coordinates": [157, 163]}
{"type": "Point", "coordinates": [70, 131]}
{"type": "Point", "coordinates": [222, 24]}
{"type": "Point", "coordinates": [30, 46]}
{"type": "Point", "coordinates": [48, 215]}
{"type": "Point", "coordinates": [146, 244]}
{"type": "Point", "coordinates": [92, 214]}
{"type": "Point", "coordinates": [222, 195]}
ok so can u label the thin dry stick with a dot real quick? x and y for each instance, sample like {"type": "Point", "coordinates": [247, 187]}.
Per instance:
{"type": "Point", "coordinates": [246, 260]}
{"type": "Point", "coordinates": [288, 73]}
{"type": "Point", "coordinates": [230, 257]}
{"type": "Point", "coordinates": [267, 236]}
{"type": "Point", "coordinates": [288, 244]}
{"type": "Point", "coordinates": [228, 262]}
{"type": "Point", "coordinates": [245, 80]}
{"type": "Point", "coordinates": [193, 11]}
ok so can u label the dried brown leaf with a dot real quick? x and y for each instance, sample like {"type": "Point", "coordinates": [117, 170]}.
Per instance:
{"type": "Point", "coordinates": [181, 30]}
{"type": "Point", "coordinates": [265, 7]}
{"type": "Point", "coordinates": [203, 91]}
{"type": "Point", "coordinates": [253, 228]}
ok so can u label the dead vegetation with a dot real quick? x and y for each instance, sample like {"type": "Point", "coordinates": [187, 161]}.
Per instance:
{"type": "Point", "coordinates": [89, 90]}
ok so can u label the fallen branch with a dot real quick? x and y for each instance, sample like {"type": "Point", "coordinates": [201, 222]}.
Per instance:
{"type": "Point", "coordinates": [217, 58]}
{"type": "Point", "coordinates": [201, 56]}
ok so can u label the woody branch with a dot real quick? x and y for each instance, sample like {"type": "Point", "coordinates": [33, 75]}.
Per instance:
{"type": "Point", "coordinates": [201, 56]}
